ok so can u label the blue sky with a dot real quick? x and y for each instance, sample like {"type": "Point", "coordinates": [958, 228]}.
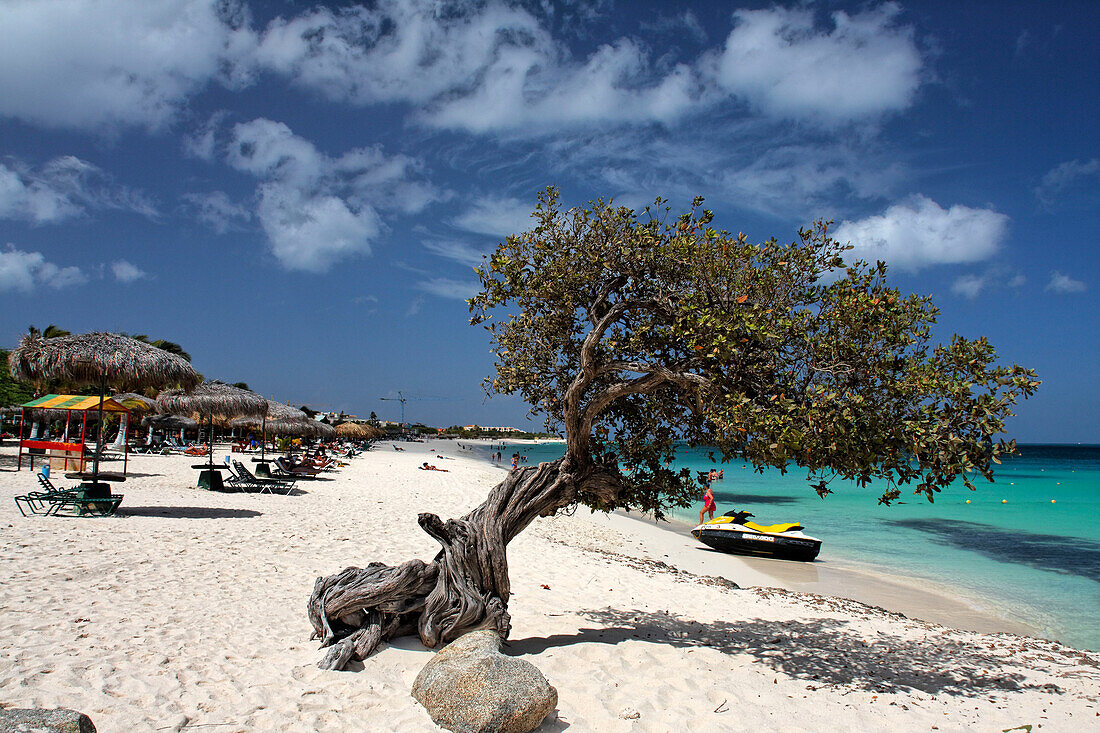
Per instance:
{"type": "Point", "coordinates": [296, 193]}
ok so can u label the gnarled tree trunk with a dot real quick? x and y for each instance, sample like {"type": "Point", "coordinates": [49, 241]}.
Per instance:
{"type": "Point", "coordinates": [466, 586]}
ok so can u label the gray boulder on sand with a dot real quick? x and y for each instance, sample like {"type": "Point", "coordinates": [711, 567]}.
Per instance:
{"type": "Point", "coordinates": [470, 687]}
{"type": "Point", "coordinates": [35, 720]}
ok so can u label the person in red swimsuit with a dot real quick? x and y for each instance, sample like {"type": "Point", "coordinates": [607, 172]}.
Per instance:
{"type": "Point", "coordinates": [708, 504]}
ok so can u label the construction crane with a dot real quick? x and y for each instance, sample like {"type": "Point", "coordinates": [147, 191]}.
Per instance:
{"type": "Point", "coordinates": [403, 399]}
{"type": "Point", "coordinates": [399, 398]}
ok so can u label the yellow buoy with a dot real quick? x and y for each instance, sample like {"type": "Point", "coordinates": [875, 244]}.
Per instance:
{"type": "Point", "coordinates": [1052, 501]}
{"type": "Point", "coordinates": [968, 501]}
{"type": "Point", "coordinates": [1004, 501]}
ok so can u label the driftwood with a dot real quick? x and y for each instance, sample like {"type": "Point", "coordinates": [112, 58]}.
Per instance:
{"type": "Point", "coordinates": [465, 587]}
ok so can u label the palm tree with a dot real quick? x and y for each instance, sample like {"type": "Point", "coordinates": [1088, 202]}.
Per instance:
{"type": "Point", "coordinates": [170, 346]}
{"type": "Point", "coordinates": [50, 332]}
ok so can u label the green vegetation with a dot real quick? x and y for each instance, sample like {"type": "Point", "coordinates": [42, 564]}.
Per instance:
{"type": "Point", "coordinates": [632, 331]}
{"type": "Point", "coordinates": [11, 391]}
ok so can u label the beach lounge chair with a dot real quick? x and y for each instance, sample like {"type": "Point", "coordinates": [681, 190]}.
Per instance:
{"type": "Point", "coordinates": [247, 481]}
{"type": "Point", "coordinates": [41, 502]}
{"type": "Point", "coordinates": [53, 500]}
{"type": "Point", "coordinates": [284, 469]}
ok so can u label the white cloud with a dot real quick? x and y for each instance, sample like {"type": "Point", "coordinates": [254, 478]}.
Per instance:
{"type": "Point", "coordinates": [1060, 283]}
{"type": "Point", "coordinates": [316, 209]}
{"type": "Point", "coordinates": [202, 143]}
{"type": "Point", "coordinates": [1070, 178]}
{"type": "Point", "coordinates": [266, 148]}
{"type": "Point", "coordinates": [525, 92]}
{"type": "Point", "coordinates": [24, 271]}
{"type": "Point", "coordinates": [454, 250]}
{"type": "Point", "coordinates": [969, 286]}
{"type": "Point", "coordinates": [783, 64]}
{"type": "Point", "coordinates": [127, 272]}
{"type": "Point", "coordinates": [444, 287]}
{"type": "Point", "coordinates": [497, 216]}
{"type": "Point", "coordinates": [23, 197]}
{"type": "Point", "coordinates": [218, 211]}
{"type": "Point", "coordinates": [397, 51]}
{"type": "Point", "coordinates": [63, 188]}
{"type": "Point", "coordinates": [483, 68]}
{"type": "Point", "coordinates": [677, 26]}
{"type": "Point", "coordinates": [995, 277]}
{"type": "Point", "coordinates": [920, 233]}
{"type": "Point", "coordinates": [309, 231]}
{"type": "Point", "coordinates": [92, 63]}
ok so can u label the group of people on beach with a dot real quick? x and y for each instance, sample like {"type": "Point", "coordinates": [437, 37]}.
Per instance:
{"type": "Point", "coordinates": [517, 458]}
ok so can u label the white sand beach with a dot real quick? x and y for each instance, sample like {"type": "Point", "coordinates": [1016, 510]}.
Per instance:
{"type": "Point", "coordinates": [188, 611]}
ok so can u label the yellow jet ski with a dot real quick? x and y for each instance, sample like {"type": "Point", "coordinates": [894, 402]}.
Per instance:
{"type": "Point", "coordinates": [732, 532]}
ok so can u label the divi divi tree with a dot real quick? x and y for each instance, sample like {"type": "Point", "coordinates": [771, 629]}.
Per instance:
{"type": "Point", "coordinates": [635, 332]}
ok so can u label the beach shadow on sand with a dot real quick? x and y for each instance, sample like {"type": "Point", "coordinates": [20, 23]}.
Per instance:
{"type": "Point", "coordinates": [825, 651]}
{"type": "Point", "coordinates": [9, 463]}
{"type": "Point", "coordinates": [187, 512]}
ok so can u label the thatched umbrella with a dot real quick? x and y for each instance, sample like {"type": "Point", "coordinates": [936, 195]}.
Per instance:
{"type": "Point", "coordinates": [100, 359]}
{"type": "Point", "coordinates": [279, 419]}
{"type": "Point", "coordinates": [135, 403]}
{"type": "Point", "coordinates": [211, 400]}
{"type": "Point", "coordinates": [301, 428]}
{"type": "Point", "coordinates": [91, 358]}
{"type": "Point", "coordinates": [169, 422]}
{"type": "Point", "coordinates": [352, 430]}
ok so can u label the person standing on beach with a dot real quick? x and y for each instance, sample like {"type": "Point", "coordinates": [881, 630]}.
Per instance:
{"type": "Point", "coordinates": [708, 504]}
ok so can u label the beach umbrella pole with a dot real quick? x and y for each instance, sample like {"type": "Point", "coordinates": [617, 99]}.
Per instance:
{"type": "Point", "coordinates": [99, 438]}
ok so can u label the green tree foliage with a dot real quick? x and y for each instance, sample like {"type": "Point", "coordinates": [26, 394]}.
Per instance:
{"type": "Point", "coordinates": [631, 331]}
{"type": "Point", "coordinates": [170, 346]}
{"type": "Point", "coordinates": [11, 391]}
{"type": "Point", "coordinates": [50, 332]}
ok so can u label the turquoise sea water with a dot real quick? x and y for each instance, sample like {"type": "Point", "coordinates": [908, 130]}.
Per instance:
{"type": "Point", "coordinates": [1010, 550]}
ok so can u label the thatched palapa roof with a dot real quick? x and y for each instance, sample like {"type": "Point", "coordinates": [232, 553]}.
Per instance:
{"type": "Point", "coordinates": [212, 399]}
{"type": "Point", "coordinates": [279, 417]}
{"type": "Point", "coordinates": [301, 428]}
{"type": "Point", "coordinates": [358, 431]}
{"type": "Point", "coordinates": [85, 359]}
{"type": "Point", "coordinates": [169, 422]}
{"type": "Point", "coordinates": [351, 430]}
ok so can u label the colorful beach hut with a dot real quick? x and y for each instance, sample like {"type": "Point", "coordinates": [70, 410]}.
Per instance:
{"type": "Point", "coordinates": [62, 455]}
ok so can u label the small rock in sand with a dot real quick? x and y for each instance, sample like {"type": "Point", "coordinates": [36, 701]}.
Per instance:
{"type": "Point", "coordinates": [36, 720]}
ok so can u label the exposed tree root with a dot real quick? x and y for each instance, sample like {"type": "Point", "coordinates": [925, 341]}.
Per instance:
{"type": "Point", "coordinates": [464, 588]}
